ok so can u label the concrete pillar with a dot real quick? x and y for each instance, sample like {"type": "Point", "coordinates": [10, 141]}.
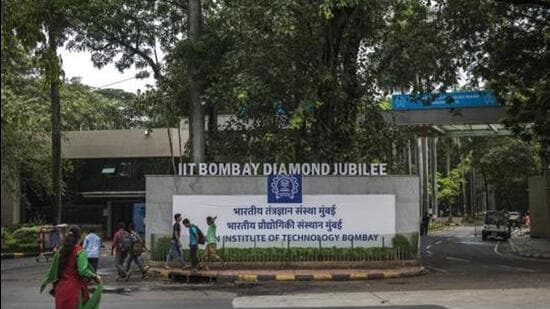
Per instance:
{"type": "Point", "coordinates": [409, 157]}
{"type": "Point", "coordinates": [427, 174]}
{"type": "Point", "coordinates": [448, 157]}
{"type": "Point", "coordinates": [420, 172]}
{"type": "Point", "coordinates": [464, 197]}
{"type": "Point", "coordinates": [434, 178]}
{"type": "Point", "coordinates": [426, 178]}
{"type": "Point", "coordinates": [108, 212]}
{"type": "Point", "coordinates": [473, 195]}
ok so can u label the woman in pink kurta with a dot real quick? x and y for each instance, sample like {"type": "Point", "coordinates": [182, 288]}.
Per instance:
{"type": "Point", "coordinates": [70, 273]}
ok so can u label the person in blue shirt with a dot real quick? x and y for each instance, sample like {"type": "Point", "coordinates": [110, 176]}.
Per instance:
{"type": "Point", "coordinates": [193, 242]}
{"type": "Point", "coordinates": [92, 245]}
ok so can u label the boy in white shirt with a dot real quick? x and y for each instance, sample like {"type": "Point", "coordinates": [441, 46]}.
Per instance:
{"type": "Point", "coordinates": [92, 245]}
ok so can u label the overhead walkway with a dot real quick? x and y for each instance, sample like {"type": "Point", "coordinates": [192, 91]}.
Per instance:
{"type": "Point", "coordinates": [456, 114]}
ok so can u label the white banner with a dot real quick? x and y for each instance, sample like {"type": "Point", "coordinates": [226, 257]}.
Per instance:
{"type": "Point", "coordinates": [326, 220]}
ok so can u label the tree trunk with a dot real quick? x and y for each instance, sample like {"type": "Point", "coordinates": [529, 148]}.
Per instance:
{"type": "Point", "coordinates": [332, 138]}
{"type": "Point", "coordinates": [448, 157]}
{"type": "Point", "coordinates": [197, 124]}
{"type": "Point", "coordinates": [174, 169]}
{"type": "Point", "coordinates": [486, 185]}
{"type": "Point", "coordinates": [212, 122]}
{"type": "Point", "coordinates": [53, 76]}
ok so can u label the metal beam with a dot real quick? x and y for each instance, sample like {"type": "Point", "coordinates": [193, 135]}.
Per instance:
{"type": "Point", "coordinates": [482, 115]}
{"type": "Point", "coordinates": [493, 127]}
{"type": "Point", "coordinates": [477, 133]}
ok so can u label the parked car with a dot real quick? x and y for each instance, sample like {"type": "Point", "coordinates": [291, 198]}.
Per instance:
{"type": "Point", "coordinates": [514, 218]}
{"type": "Point", "coordinates": [496, 225]}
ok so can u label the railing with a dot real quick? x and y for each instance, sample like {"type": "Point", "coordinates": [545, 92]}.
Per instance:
{"type": "Point", "coordinates": [392, 248]}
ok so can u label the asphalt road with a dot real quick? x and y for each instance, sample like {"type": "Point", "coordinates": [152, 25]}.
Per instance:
{"type": "Point", "coordinates": [463, 272]}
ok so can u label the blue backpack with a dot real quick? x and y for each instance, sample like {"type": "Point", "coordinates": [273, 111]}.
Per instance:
{"type": "Point", "coordinates": [126, 243]}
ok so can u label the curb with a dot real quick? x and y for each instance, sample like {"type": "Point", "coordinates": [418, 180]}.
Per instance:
{"type": "Point", "coordinates": [115, 289]}
{"type": "Point", "coordinates": [288, 276]}
{"type": "Point", "coordinates": [16, 255]}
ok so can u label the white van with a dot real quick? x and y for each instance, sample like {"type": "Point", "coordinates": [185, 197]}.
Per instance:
{"type": "Point", "coordinates": [496, 225]}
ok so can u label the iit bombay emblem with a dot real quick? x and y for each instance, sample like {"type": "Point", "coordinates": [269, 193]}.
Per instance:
{"type": "Point", "coordinates": [284, 186]}
{"type": "Point", "coordinates": [284, 189]}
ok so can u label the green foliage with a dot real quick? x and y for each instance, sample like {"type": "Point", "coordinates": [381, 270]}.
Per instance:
{"type": "Point", "coordinates": [160, 248]}
{"type": "Point", "coordinates": [402, 249]}
{"type": "Point", "coordinates": [400, 241]}
{"type": "Point", "coordinates": [506, 163]}
{"type": "Point", "coordinates": [505, 44]}
{"type": "Point", "coordinates": [37, 220]}
{"type": "Point", "coordinates": [449, 187]}
{"type": "Point", "coordinates": [26, 235]}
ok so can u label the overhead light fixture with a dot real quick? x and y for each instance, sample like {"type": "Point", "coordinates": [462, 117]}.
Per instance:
{"type": "Point", "coordinates": [148, 132]}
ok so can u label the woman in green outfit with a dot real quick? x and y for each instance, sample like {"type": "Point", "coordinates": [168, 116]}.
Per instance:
{"type": "Point", "coordinates": [70, 273]}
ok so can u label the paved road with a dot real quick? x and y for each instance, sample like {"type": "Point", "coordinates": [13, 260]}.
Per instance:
{"type": "Point", "coordinates": [464, 272]}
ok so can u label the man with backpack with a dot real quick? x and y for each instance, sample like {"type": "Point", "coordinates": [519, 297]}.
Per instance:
{"type": "Point", "coordinates": [196, 238]}
{"type": "Point", "coordinates": [122, 244]}
{"type": "Point", "coordinates": [134, 254]}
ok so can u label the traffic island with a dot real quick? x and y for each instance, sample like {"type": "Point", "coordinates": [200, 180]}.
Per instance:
{"type": "Point", "coordinates": [526, 246]}
{"type": "Point", "coordinates": [232, 276]}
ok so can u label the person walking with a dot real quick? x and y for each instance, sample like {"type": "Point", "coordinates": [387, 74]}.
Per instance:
{"type": "Point", "coordinates": [195, 239]}
{"type": "Point", "coordinates": [69, 273]}
{"type": "Point", "coordinates": [135, 253]}
{"type": "Point", "coordinates": [121, 244]}
{"type": "Point", "coordinates": [211, 242]}
{"type": "Point", "coordinates": [175, 243]}
{"type": "Point", "coordinates": [92, 245]}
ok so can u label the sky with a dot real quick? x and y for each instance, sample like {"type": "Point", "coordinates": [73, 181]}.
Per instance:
{"type": "Point", "coordinates": [78, 64]}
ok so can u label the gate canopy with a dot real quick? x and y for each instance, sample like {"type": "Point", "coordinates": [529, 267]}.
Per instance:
{"type": "Point", "coordinates": [475, 113]}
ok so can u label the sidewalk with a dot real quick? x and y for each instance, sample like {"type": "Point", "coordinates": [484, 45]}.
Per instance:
{"type": "Point", "coordinates": [228, 276]}
{"type": "Point", "coordinates": [524, 245]}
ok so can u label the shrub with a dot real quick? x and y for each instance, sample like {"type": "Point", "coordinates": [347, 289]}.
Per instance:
{"type": "Point", "coordinates": [400, 241]}
{"type": "Point", "coordinates": [27, 235]}
{"type": "Point", "coordinates": [160, 248]}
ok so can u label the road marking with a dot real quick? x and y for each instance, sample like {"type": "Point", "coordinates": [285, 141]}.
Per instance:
{"type": "Point", "coordinates": [439, 242]}
{"type": "Point", "coordinates": [517, 268]}
{"type": "Point", "coordinates": [428, 247]}
{"type": "Point", "coordinates": [496, 250]}
{"type": "Point", "coordinates": [475, 243]}
{"type": "Point", "coordinates": [436, 269]}
{"type": "Point", "coordinates": [457, 259]}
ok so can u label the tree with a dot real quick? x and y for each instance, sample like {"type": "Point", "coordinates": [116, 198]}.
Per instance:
{"type": "Point", "coordinates": [195, 85]}
{"type": "Point", "coordinates": [505, 44]}
{"type": "Point", "coordinates": [25, 126]}
{"type": "Point", "coordinates": [123, 32]}
{"type": "Point", "coordinates": [506, 163]}
{"type": "Point", "coordinates": [42, 26]}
